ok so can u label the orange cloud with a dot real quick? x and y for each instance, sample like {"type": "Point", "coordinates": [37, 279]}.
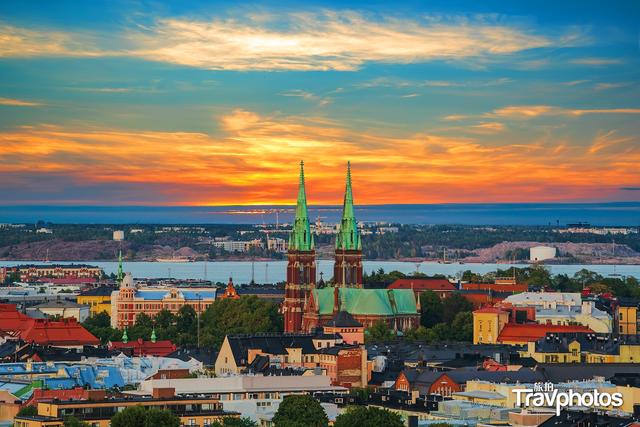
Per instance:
{"type": "Point", "coordinates": [255, 161]}
{"type": "Point", "coordinates": [18, 102]}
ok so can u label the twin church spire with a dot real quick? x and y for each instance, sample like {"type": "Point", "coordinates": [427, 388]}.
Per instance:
{"type": "Point", "coordinates": [347, 238]}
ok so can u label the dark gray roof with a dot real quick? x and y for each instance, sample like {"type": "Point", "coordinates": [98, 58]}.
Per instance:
{"type": "Point", "coordinates": [270, 344]}
{"type": "Point", "coordinates": [100, 291]}
{"type": "Point", "coordinates": [560, 372]}
{"type": "Point", "coordinates": [344, 320]}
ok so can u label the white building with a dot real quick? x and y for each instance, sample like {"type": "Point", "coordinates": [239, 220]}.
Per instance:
{"type": "Point", "coordinates": [63, 309]}
{"type": "Point", "coordinates": [563, 308]}
{"type": "Point", "coordinates": [44, 230]}
{"type": "Point", "coordinates": [238, 245]}
{"type": "Point", "coordinates": [118, 235]}
{"type": "Point", "coordinates": [541, 253]}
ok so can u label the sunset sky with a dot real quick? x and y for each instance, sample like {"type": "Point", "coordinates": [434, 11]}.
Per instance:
{"type": "Point", "coordinates": [215, 103]}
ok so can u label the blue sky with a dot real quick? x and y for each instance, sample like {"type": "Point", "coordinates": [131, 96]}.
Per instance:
{"type": "Point", "coordinates": [203, 102]}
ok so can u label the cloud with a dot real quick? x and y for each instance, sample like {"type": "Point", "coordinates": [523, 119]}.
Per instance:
{"type": "Point", "coordinates": [575, 82]}
{"type": "Point", "coordinates": [596, 61]}
{"type": "Point", "coordinates": [328, 40]}
{"type": "Point", "coordinates": [321, 101]}
{"type": "Point", "coordinates": [255, 161]}
{"type": "Point", "coordinates": [533, 111]}
{"type": "Point", "coordinates": [19, 102]}
{"type": "Point", "coordinates": [25, 43]}
{"type": "Point", "coordinates": [607, 86]}
{"type": "Point", "coordinates": [630, 188]}
{"type": "Point", "coordinates": [410, 95]}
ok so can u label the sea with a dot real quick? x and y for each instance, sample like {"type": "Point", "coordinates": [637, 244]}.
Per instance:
{"type": "Point", "coordinates": [275, 271]}
{"type": "Point", "coordinates": [615, 213]}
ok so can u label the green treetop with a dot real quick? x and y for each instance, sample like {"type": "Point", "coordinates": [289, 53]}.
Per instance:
{"type": "Point", "coordinates": [301, 238]}
{"type": "Point", "coordinates": [348, 237]}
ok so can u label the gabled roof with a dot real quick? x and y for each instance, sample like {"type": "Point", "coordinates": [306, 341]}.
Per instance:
{"type": "Point", "coordinates": [423, 284]}
{"type": "Point", "coordinates": [12, 320]}
{"type": "Point", "coordinates": [269, 344]}
{"type": "Point", "coordinates": [356, 301]}
{"type": "Point", "coordinates": [144, 348]}
{"type": "Point", "coordinates": [59, 304]}
{"type": "Point", "coordinates": [67, 332]}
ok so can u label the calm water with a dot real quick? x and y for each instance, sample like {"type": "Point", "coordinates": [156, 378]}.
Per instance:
{"type": "Point", "coordinates": [617, 213]}
{"type": "Point", "coordinates": [275, 271]}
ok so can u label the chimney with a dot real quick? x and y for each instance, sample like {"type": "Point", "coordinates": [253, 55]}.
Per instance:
{"type": "Point", "coordinates": [163, 393]}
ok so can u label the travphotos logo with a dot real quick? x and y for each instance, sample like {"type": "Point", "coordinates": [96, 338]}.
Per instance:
{"type": "Point", "coordinates": [545, 395]}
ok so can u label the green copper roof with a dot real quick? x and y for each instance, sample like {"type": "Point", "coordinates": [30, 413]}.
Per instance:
{"type": "Point", "coordinates": [301, 238]}
{"type": "Point", "coordinates": [125, 337]}
{"type": "Point", "coordinates": [120, 275]}
{"type": "Point", "coordinates": [367, 301]}
{"type": "Point", "coordinates": [348, 237]}
{"type": "Point", "coordinates": [153, 335]}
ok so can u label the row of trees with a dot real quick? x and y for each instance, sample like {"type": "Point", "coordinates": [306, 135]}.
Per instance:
{"type": "Point", "coordinates": [246, 315]}
{"type": "Point", "coordinates": [306, 411]}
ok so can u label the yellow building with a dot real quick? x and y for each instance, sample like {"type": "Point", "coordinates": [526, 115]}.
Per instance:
{"type": "Point", "coordinates": [487, 324]}
{"type": "Point", "coordinates": [98, 299]}
{"type": "Point", "coordinates": [97, 412]}
{"type": "Point", "coordinates": [626, 317]}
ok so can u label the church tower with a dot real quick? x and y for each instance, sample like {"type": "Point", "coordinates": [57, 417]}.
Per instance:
{"type": "Point", "coordinates": [347, 270]}
{"type": "Point", "coordinates": [301, 266]}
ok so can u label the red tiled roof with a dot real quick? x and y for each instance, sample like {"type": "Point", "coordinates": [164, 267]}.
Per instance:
{"type": "Point", "coordinates": [423, 284]}
{"type": "Point", "coordinates": [67, 332]}
{"type": "Point", "coordinates": [515, 332]}
{"type": "Point", "coordinates": [40, 395]}
{"type": "Point", "coordinates": [68, 280]}
{"type": "Point", "coordinates": [12, 320]}
{"type": "Point", "coordinates": [145, 348]}
{"type": "Point", "coordinates": [496, 287]}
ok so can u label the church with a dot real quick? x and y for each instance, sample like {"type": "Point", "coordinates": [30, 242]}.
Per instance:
{"type": "Point", "coordinates": [307, 307]}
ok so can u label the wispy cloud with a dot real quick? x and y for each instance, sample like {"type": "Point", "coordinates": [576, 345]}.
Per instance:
{"type": "Point", "coordinates": [19, 102]}
{"type": "Point", "coordinates": [532, 111]}
{"type": "Point", "coordinates": [327, 40]}
{"type": "Point", "coordinates": [596, 61]}
{"type": "Point", "coordinates": [309, 96]}
{"type": "Point", "coordinates": [607, 86]}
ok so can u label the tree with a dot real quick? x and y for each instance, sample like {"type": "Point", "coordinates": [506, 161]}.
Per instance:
{"type": "Point", "coordinates": [246, 315]}
{"type": "Point", "coordinates": [454, 304]}
{"type": "Point", "coordinates": [74, 422]}
{"type": "Point", "coordinates": [137, 416]}
{"type": "Point", "coordinates": [100, 326]}
{"type": "Point", "coordinates": [235, 422]}
{"type": "Point", "coordinates": [361, 416]}
{"type": "Point", "coordinates": [379, 332]}
{"type": "Point", "coordinates": [431, 308]}
{"type": "Point", "coordinates": [28, 411]}
{"type": "Point", "coordinates": [160, 418]}
{"type": "Point", "coordinates": [462, 326]}
{"type": "Point", "coordinates": [133, 416]}
{"type": "Point", "coordinates": [300, 410]}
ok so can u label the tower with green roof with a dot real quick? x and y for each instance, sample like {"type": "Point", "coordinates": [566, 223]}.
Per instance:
{"type": "Point", "coordinates": [301, 266]}
{"type": "Point", "coordinates": [120, 274]}
{"type": "Point", "coordinates": [347, 270]}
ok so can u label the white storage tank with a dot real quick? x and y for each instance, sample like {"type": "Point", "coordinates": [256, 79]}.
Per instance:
{"type": "Point", "coordinates": [540, 253]}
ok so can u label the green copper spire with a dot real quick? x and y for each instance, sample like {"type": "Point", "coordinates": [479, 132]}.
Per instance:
{"type": "Point", "coordinates": [348, 237]}
{"type": "Point", "coordinates": [120, 275]}
{"type": "Point", "coordinates": [300, 238]}
{"type": "Point", "coordinates": [125, 337]}
{"type": "Point", "coordinates": [153, 335]}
